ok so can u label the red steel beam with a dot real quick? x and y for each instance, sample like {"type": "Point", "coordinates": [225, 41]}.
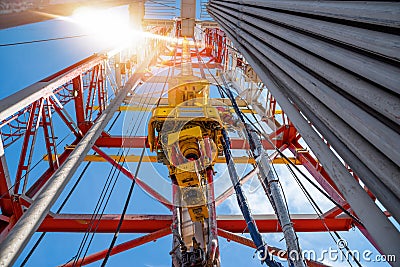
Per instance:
{"type": "Point", "coordinates": [70, 124]}
{"type": "Point", "coordinates": [121, 247]}
{"type": "Point", "coordinates": [5, 196]}
{"type": "Point", "coordinates": [107, 224]}
{"type": "Point", "coordinates": [179, 54]}
{"type": "Point", "coordinates": [27, 144]}
{"type": "Point", "coordinates": [151, 223]}
{"type": "Point", "coordinates": [78, 99]}
{"type": "Point", "coordinates": [121, 141]}
{"type": "Point", "coordinates": [317, 171]}
{"type": "Point", "coordinates": [31, 192]}
{"type": "Point", "coordinates": [210, 181]}
{"type": "Point", "coordinates": [91, 93]}
{"type": "Point", "coordinates": [140, 141]}
{"type": "Point", "coordinates": [281, 253]}
{"type": "Point", "coordinates": [142, 184]}
{"type": "Point", "coordinates": [7, 201]}
{"type": "Point", "coordinates": [335, 211]}
{"type": "Point", "coordinates": [49, 137]}
{"type": "Point", "coordinates": [214, 247]}
{"type": "Point", "coordinates": [269, 223]}
{"type": "Point", "coordinates": [247, 242]}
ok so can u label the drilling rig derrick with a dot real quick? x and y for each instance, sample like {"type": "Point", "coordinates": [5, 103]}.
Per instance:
{"type": "Point", "coordinates": [188, 138]}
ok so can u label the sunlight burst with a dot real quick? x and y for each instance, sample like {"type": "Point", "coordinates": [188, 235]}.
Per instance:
{"type": "Point", "coordinates": [108, 26]}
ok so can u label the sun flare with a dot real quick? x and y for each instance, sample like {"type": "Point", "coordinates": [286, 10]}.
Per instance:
{"type": "Point", "coordinates": [107, 26]}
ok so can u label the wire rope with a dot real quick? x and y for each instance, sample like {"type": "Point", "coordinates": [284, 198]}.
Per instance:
{"type": "Point", "coordinates": [123, 211]}
{"type": "Point", "coordinates": [97, 215]}
{"type": "Point", "coordinates": [44, 40]}
{"type": "Point", "coordinates": [122, 156]}
{"type": "Point", "coordinates": [136, 174]}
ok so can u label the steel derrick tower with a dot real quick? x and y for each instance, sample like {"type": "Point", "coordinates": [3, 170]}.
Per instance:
{"type": "Point", "coordinates": [194, 112]}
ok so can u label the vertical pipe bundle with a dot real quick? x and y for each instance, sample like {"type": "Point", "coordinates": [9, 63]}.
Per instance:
{"type": "Point", "coordinates": [244, 206]}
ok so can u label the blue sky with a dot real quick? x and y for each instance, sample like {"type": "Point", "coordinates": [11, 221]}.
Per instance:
{"type": "Point", "coordinates": [25, 64]}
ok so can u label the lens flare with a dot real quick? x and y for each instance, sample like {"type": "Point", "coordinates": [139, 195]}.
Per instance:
{"type": "Point", "coordinates": [106, 25]}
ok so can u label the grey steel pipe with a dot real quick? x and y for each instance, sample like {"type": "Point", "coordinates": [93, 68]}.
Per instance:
{"type": "Point", "coordinates": [30, 221]}
{"type": "Point", "coordinates": [355, 117]}
{"type": "Point", "coordinates": [376, 13]}
{"type": "Point", "coordinates": [390, 201]}
{"type": "Point", "coordinates": [377, 71]}
{"type": "Point", "coordinates": [271, 186]}
{"type": "Point", "coordinates": [317, 55]}
{"type": "Point", "coordinates": [380, 228]}
{"type": "Point", "coordinates": [244, 206]}
{"type": "Point", "coordinates": [382, 192]}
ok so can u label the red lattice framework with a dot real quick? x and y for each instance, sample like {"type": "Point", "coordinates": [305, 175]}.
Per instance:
{"type": "Point", "coordinates": [83, 85]}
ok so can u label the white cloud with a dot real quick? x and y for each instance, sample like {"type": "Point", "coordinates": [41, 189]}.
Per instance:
{"type": "Point", "coordinates": [297, 201]}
